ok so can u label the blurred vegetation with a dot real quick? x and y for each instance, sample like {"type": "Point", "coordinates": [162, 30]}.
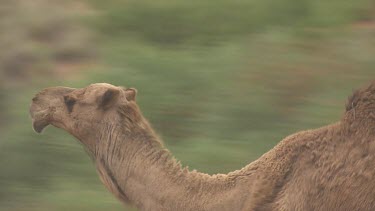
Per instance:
{"type": "Point", "coordinates": [221, 81]}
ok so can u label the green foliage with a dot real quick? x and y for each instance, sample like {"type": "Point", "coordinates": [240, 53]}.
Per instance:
{"type": "Point", "coordinates": [210, 22]}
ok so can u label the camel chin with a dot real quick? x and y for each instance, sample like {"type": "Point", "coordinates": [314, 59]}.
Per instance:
{"type": "Point", "coordinates": [39, 125]}
{"type": "Point", "coordinates": [39, 119]}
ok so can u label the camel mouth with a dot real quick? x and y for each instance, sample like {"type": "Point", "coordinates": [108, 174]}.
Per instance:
{"type": "Point", "coordinates": [39, 119]}
{"type": "Point", "coordinates": [39, 126]}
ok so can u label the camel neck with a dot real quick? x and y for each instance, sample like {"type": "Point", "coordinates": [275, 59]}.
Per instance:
{"type": "Point", "coordinates": [138, 169]}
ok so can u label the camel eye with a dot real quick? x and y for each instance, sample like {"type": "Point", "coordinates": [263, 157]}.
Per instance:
{"type": "Point", "coordinates": [69, 102]}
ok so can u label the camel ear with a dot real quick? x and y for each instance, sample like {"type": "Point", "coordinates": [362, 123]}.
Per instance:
{"type": "Point", "coordinates": [130, 94]}
{"type": "Point", "coordinates": [109, 98]}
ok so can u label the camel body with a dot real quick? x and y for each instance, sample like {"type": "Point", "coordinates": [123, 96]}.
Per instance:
{"type": "Point", "coordinates": [330, 168]}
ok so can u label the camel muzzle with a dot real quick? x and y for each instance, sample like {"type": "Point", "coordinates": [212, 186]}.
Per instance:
{"type": "Point", "coordinates": [40, 117]}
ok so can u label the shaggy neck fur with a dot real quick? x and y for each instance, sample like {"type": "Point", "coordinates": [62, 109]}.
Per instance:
{"type": "Point", "coordinates": [133, 165]}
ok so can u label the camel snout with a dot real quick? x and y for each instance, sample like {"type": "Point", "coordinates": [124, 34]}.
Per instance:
{"type": "Point", "coordinates": [39, 126]}
{"type": "Point", "coordinates": [39, 117]}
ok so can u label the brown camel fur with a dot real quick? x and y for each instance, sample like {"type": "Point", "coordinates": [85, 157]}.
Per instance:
{"type": "Point", "coordinates": [330, 168]}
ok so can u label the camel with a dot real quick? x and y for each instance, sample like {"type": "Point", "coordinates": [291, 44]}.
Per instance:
{"type": "Point", "coordinates": [329, 168]}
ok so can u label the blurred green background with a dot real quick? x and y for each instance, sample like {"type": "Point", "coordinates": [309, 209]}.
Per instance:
{"type": "Point", "coordinates": [222, 81]}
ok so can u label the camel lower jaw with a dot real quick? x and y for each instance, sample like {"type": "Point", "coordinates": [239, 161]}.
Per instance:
{"type": "Point", "coordinates": [39, 119]}
{"type": "Point", "coordinates": [39, 126]}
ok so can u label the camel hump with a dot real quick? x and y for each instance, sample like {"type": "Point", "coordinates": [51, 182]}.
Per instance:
{"type": "Point", "coordinates": [362, 102]}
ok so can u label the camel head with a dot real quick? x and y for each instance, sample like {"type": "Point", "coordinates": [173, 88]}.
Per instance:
{"type": "Point", "coordinates": [81, 112]}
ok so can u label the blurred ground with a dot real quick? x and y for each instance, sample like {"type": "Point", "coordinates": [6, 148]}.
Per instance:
{"type": "Point", "coordinates": [221, 81]}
